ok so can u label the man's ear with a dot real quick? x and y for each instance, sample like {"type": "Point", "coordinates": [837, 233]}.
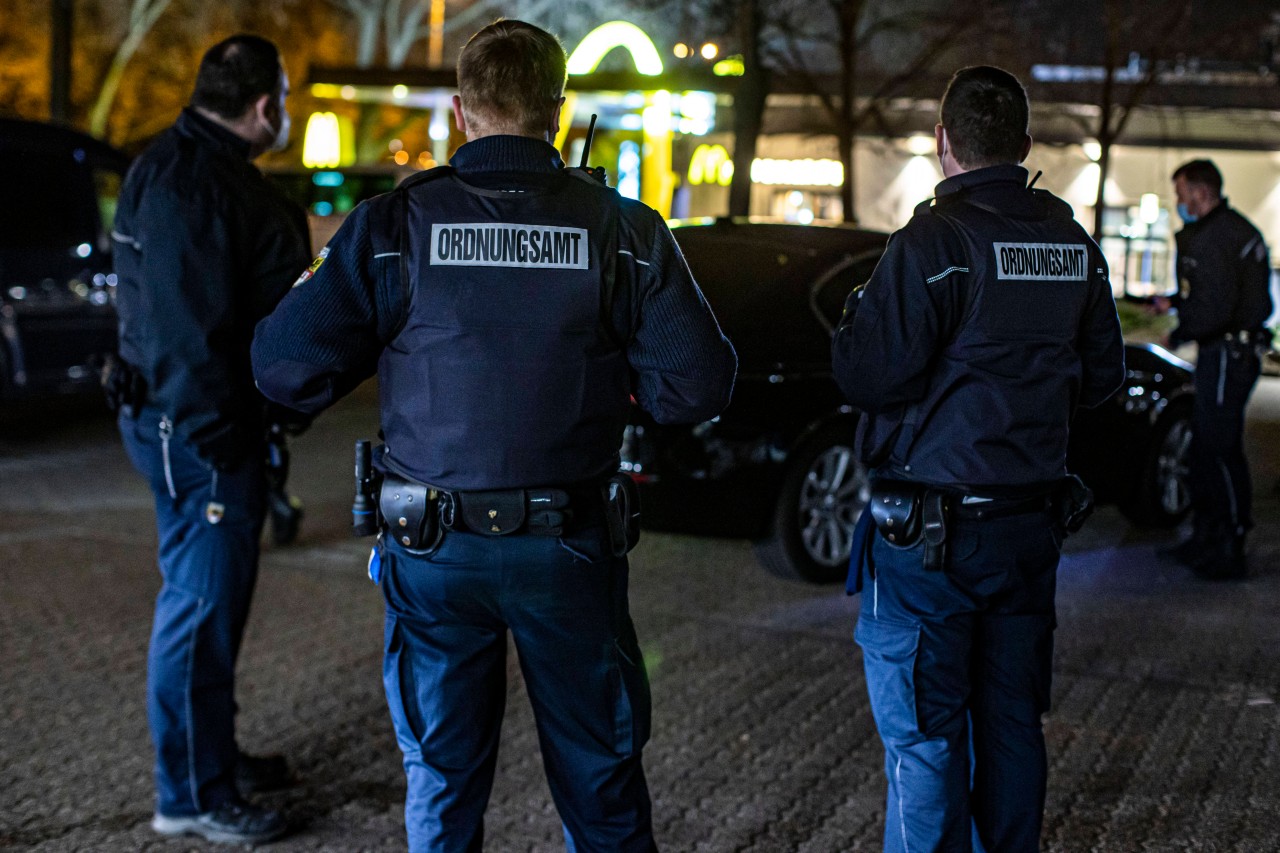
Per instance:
{"type": "Point", "coordinates": [458, 118]}
{"type": "Point", "coordinates": [1026, 148]}
{"type": "Point", "coordinates": [555, 119]}
{"type": "Point", "coordinates": [940, 141]}
{"type": "Point", "coordinates": [265, 110]}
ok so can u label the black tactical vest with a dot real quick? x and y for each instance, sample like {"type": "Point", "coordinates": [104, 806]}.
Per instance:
{"type": "Point", "coordinates": [505, 373]}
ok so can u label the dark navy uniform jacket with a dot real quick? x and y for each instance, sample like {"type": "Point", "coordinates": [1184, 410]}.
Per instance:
{"type": "Point", "coordinates": [539, 303]}
{"type": "Point", "coordinates": [987, 321]}
{"type": "Point", "coordinates": [205, 247]}
{"type": "Point", "coordinates": [1223, 276]}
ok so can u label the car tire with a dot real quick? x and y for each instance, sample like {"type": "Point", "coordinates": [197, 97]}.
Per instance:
{"type": "Point", "coordinates": [824, 490]}
{"type": "Point", "coordinates": [1163, 496]}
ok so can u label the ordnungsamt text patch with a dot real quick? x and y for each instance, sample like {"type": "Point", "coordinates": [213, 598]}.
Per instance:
{"type": "Point", "coordinates": [491, 244]}
{"type": "Point", "coordinates": [1042, 261]}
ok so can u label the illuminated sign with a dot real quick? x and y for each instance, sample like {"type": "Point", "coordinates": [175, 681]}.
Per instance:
{"type": "Point", "coordinates": [798, 173]}
{"type": "Point", "coordinates": [322, 143]}
{"type": "Point", "coordinates": [710, 164]}
{"type": "Point", "coordinates": [599, 42]}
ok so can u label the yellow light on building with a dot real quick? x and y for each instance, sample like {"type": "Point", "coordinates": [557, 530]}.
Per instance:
{"type": "Point", "coordinates": [710, 164]}
{"type": "Point", "coordinates": [1092, 149]}
{"type": "Point", "coordinates": [400, 91]}
{"type": "Point", "coordinates": [730, 66]}
{"type": "Point", "coordinates": [322, 142]}
{"type": "Point", "coordinates": [681, 50]}
{"type": "Point", "coordinates": [402, 158]}
{"type": "Point", "coordinates": [709, 51]}
{"type": "Point", "coordinates": [921, 144]}
{"type": "Point", "coordinates": [605, 38]}
{"type": "Point", "coordinates": [798, 173]}
{"type": "Point", "coordinates": [348, 93]}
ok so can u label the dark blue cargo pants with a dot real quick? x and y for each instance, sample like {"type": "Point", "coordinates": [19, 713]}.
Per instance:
{"type": "Point", "coordinates": [208, 524]}
{"type": "Point", "coordinates": [958, 666]}
{"type": "Point", "coordinates": [445, 669]}
{"type": "Point", "coordinates": [1221, 491]}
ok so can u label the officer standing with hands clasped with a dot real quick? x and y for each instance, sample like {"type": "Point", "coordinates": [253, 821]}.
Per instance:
{"type": "Point", "coordinates": [987, 321]}
{"type": "Point", "coordinates": [204, 248]}
{"type": "Point", "coordinates": [1222, 304]}
{"type": "Point", "coordinates": [511, 309]}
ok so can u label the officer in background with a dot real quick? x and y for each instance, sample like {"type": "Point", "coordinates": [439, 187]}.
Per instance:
{"type": "Point", "coordinates": [511, 309]}
{"type": "Point", "coordinates": [204, 248]}
{"type": "Point", "coordinates": [1222, 304]}
{"type": "Point", "coordinates": [986, 323]}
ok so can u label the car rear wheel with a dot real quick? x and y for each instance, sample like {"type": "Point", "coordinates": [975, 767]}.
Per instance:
{"type": "Point", "coordinates": [1163, 497]}
{"type": "Point", "coordinates": [823, 493]}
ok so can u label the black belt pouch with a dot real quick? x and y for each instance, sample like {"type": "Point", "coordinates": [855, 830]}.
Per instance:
{"type": "Point", "coordinates": [410, 512]}
{"type": "Point", "coordinates": [895, 507]}
{"type": "Point", "coordinates": [495, 513]}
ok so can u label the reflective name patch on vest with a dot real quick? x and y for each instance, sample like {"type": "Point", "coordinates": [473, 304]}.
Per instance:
{"type": "Point", "coordinates": [492, 244]}
{"type": "Point", "coordinates": [1042, 261]}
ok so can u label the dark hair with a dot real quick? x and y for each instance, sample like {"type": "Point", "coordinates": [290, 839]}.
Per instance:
{"type": "Point", "coordinates": [236, 72]}
{"type": "Point", "coordinates": [1201, 172]}
{"type": "Point", "coordinates": [510, 75]}
{"type": "Point", "coordinates": [985, 113]}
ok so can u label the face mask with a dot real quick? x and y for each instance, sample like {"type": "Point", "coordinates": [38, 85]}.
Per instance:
{"type": "Point", "coordinates": [281, 140]}
{"type": "Point", "coordinates": [1186, 215]}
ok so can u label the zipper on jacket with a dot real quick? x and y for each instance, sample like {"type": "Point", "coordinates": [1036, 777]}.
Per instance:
{"type": "Point", "coordinates": [166, 431]}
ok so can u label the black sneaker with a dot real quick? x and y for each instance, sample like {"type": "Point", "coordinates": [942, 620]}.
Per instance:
{"type": "Point", "coordinates": [232, 823]}
{"type": "Point", "coordinates": [256, 773]}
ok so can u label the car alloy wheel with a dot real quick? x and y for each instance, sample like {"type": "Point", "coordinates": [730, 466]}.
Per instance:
{"type": "Point", "coordinates": [834, 492]}
{"type": "Point", "coordinates": [1173, 469]}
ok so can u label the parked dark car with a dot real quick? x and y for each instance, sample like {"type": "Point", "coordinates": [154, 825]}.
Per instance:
{"type": "Point", "coordinates": [57, 318]}
{"type": "Point", "coordinates": [778, 465]}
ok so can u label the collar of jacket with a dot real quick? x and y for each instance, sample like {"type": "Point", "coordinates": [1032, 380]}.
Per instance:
{"type": "Point", "coordinates": [1002, 174]}
{"type": "Point", "coordinates": [506, 154]}
{"type": "Point", "coordinates": [191, 124]}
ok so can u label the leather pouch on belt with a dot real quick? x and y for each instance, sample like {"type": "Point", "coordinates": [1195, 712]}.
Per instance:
{"type": "Point", "coordinates": [411, 513]}
{"type": "Point", "coordinates": [493, 513]}
{"type": "Point", "coordinates": [895, 508]}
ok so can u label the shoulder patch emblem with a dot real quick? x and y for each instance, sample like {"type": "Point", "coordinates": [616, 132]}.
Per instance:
{"type": "Point", "coordinates": [315, 266]}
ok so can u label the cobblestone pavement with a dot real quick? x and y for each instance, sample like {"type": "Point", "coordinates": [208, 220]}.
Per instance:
{"type": "Point", "coordinates": [1165, 731]}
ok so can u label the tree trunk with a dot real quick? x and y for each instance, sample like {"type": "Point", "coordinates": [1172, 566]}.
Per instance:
{"type": "Point", "coordinates": [1099, 204]}
{"type": "Point", "coordinates": [748, 109]}
{"type": "Point", "coordinates": [141, 18]}
{"type": "Point", "coordinates": [848, 142]}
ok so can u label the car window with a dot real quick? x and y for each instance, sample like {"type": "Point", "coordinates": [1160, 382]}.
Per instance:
{"type": "Point", "coordinates": [106, 189]}
{"type": "Point", "coordinates": [760, 289]}
{"type": "Point", "coordinates": [829, 300]}
{"type": "Point", "coordinates": [46, 199]}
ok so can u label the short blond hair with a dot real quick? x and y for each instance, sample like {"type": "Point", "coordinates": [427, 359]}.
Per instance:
{"type": "Point", "coordinates": [510, 76]}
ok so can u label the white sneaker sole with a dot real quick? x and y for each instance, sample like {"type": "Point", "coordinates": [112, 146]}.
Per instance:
{"type": "Point", "coordinates": [195, 826]}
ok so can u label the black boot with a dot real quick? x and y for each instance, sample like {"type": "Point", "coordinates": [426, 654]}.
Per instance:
{"type": "Point", "coordinates": [1223, 560]}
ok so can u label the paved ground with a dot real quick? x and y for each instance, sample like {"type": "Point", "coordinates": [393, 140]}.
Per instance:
{"type": "Point", "coordinates": [1165, 732]}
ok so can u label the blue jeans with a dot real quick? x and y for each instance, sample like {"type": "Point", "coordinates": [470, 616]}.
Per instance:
{"type": "Point", "coordinates": [565, 604]}
{"type": "Point", "coordinates": [958, 665]}
{"type": "Point", "coordinates": [208, 524]}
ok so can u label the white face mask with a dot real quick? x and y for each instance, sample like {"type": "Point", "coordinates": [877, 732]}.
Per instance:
{"type": "Point", "coordinates": [281, 140]}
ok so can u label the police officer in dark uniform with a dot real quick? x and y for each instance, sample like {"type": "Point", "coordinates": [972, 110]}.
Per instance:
{"type": "Point", "coordinates": [1222, 304]}
{"type": "Point", "coordinates": [511, 308]}
{"type": "Point", "coordinates": [986, 323]}
{"type": "Point", "coordinates": [204, 248]}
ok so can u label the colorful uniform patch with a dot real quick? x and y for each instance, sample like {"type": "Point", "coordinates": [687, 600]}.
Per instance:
{"type": "Point", "coordinates": [315, 265]}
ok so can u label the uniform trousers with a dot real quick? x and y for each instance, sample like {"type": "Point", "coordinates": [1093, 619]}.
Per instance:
{"type": "Point", "coordinates": [564, 602]}
{"type": "Point", "coordinates": [1221, 491]}
{"type": "Point", "coordinates": [958, 666]}
{"type": "Point", "coordinates": [208, 523]}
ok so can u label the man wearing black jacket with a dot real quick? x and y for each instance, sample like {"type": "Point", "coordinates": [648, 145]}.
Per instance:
{"type": "Point", "coordinates": [204, 249]}
{"type": "Point", "coordinates": [1222, 304]}
{"type": "Point", "coordinates": [986, 323]}
{"type": "Point", "coordinates": [512, 310]}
